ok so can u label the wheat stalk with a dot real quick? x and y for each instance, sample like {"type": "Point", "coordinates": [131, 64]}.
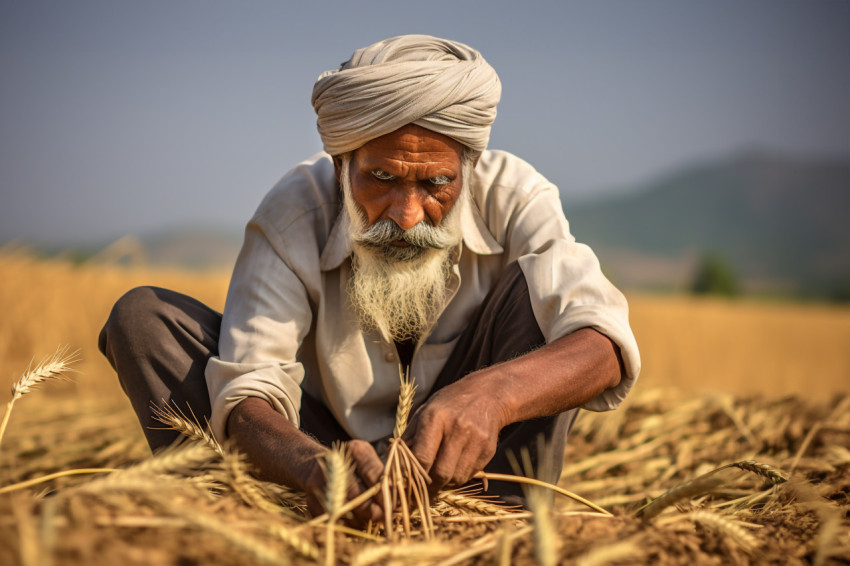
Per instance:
{"type": "Point", "coordinates": [486, 544]}
{"type": "Point", "coordinates": [53, 476]}
{"type": "Point", "coordinates": [707, 483]}
{"type": "Point", "coordinates": [544, 534]}
{"type": "Point", "coordinates": [407, 553]}
{"type": "Point", "coordinates": [184, 460]}
{"type": "Point", "coordinates": [50, 368]}
{"type": "Point", "coordinates": [540, 483]}
{"type": "Point", "coordinates": [540, 503]}
{"type": "Point", "coordinates": [404, 485]}
{"type": "Point", "coordinates": [606, 554]}
{"type": "Point", "coordinates": [404, 482]}
{"type": "Point", "coordinates": [247, 544]}
{"type": "Point", "coordinates": [698, 486]}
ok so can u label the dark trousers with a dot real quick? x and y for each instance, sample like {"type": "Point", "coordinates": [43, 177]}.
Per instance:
{"type": "Point", "coordinates": [159, 341]}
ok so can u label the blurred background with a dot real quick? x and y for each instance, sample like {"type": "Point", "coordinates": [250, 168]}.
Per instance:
{"type": "Point", "coordinates": [700, 149]}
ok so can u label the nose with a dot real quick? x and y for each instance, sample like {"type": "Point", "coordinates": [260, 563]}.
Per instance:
{"type": "Point", "coordinates": [406, 210]}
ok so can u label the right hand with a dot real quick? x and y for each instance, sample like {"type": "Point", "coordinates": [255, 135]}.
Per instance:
{"type": "Point", "coordinates": [368, 468]}
{"type": "Point", "coordinates": [281, 453]}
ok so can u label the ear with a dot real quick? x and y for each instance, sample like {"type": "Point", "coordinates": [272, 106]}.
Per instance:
{"type": "Point", "coordinates": [337, 166]}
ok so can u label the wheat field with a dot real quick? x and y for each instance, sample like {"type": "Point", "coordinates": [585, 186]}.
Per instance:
{"type": "Point", "coordinates": [738, 430]}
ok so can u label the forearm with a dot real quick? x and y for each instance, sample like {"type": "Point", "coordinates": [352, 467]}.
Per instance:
{"type": "Point", "coordinates": [559, 376]}
{"type": "Point", "coordinates": [276, 449]}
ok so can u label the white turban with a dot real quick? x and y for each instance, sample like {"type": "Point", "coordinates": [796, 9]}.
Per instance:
{"type": "Point", "coordinates": [444, 86]}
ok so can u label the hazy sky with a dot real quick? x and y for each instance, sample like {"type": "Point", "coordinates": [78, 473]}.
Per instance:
{"type": "Point", "coordinates": [128, 117]}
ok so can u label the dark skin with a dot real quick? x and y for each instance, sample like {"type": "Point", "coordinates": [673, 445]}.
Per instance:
{"type": "Point", "coordinates": [409, 176]}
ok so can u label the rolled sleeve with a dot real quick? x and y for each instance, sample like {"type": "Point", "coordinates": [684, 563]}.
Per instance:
{"type": "Point", "coordinates": [265, 320]}
{"type": "Point", "coordinates": [568, 292]}
{"type": "Point", "coordinates": [567, 288]}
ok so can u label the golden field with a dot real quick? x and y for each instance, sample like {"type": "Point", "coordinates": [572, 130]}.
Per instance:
{"type": "Point", "coordinates": [723, 381]}
{"type": "Point", "coordinates": [736, 346]}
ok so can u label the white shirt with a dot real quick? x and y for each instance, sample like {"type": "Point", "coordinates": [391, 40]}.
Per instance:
{"type": "Point", "coordinates": [288, 325]}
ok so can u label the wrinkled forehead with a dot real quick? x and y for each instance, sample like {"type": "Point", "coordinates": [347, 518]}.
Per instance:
{"type": "Point", "coordinates": [414, 143]}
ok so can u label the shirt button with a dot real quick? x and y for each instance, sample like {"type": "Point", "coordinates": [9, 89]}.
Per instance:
{"type": "Point", "coordinates": [389, 356]}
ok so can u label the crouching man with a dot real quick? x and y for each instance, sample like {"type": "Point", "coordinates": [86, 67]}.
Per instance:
{"type": "Point", "coordinates": [405, 244]}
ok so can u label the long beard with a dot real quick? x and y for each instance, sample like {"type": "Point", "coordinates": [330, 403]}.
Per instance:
{"type": "Point", "coordinates": [399, 299]}
{"type": "Point", "coordinates": [400, 292]}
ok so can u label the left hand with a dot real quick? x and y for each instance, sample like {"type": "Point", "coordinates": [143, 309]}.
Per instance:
{"type": "Point", "coordinates": [455, 433]}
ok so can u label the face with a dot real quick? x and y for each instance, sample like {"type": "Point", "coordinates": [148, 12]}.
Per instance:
{"type": "Point", "coordinates": [408, 176]}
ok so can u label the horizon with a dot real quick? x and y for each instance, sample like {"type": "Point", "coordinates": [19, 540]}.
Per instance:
{"type": "Point", "coordinates": [133, 119]}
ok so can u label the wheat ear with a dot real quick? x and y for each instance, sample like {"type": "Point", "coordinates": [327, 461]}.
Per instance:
{"type": "Point", "coordinates": [338, 467]}
{"type": "Point", "coordinates": [174, 418]}
{"type": "Point", "coordinates": [733, 529]}
{"type": "Point", "coordinates": [248, 489]}
{"type": "Point", "coordinates": [774, 475]}
{"type": "Point", "coordinates": [475, 504]}
{"type": "Point", "coordinates": [405, 402]}
{"type": "Point", "coordinates": [299, 544]}
{"type": "Point", "coordinates": [50, 368]}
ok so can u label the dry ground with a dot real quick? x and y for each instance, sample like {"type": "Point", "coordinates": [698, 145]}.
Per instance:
{"type": "Point", "coordinates": [754, 381]}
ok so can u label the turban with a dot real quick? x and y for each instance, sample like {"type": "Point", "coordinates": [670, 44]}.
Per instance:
{"type": "Point", "coordinates": [444, 86]}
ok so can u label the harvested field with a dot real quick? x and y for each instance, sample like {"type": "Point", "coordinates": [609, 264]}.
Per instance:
{"type": "Point", "coordinates": [197, 506]}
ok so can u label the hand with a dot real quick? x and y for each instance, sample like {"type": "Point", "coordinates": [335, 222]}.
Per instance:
{"type": "Point", "coordinates": [367, 472]}
{"type": "Point", "coordinates": [455, 433]}
{"type": "Point", "coordinates": [281, 453]}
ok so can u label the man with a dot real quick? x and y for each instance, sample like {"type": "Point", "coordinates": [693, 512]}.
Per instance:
{"type": "Point", "coordinates": [406, 244]}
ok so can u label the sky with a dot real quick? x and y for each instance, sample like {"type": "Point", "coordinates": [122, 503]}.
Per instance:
{"type": "Point", "coordinates": [121, 117]}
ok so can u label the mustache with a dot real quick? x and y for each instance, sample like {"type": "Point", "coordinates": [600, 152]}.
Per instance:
{"type": "Point", "coordinates": [423, 235]}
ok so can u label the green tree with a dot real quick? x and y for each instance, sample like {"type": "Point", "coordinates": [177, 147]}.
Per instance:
{"type": "Point", "coordinates": [714, 276]}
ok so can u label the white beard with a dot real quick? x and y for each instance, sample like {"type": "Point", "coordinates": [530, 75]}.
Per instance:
{"type": "Point", "coordinates": [400, 295]}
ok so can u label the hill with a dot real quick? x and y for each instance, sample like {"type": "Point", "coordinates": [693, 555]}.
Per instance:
{"type": "Point", "coordinates": [195, 249]}
{"type": "Point", "coordinates": [781, 223]}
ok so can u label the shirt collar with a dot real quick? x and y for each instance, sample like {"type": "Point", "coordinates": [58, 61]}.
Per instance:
{"type": "Point", "coordinates": [476, 237]}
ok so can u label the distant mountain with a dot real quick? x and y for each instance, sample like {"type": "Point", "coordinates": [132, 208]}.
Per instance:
{"type": "Point", "coordinates": [781, 222]}
{"type": "Point", "coordinates": [193, 249]}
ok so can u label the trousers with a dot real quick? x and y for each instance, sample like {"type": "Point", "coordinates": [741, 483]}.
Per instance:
{"type": "Point", "coordinates": [158, 341]}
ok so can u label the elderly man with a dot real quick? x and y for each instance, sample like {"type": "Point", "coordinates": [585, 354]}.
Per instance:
{"type": "Point", "coordinates": [406, 244]}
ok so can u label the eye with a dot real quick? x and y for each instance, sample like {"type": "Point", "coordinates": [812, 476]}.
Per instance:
{"type": "Point", "coordinates": [382, 175]}
{"type": "Point", "coordinates": [441, 180]}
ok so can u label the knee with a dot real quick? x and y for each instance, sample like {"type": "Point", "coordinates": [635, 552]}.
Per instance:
{"type": "Point", "coordinates": [135, 315]}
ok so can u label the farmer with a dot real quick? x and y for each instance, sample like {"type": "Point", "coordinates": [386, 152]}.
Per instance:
{"type": "Point", "coordinates": [405, 244]}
